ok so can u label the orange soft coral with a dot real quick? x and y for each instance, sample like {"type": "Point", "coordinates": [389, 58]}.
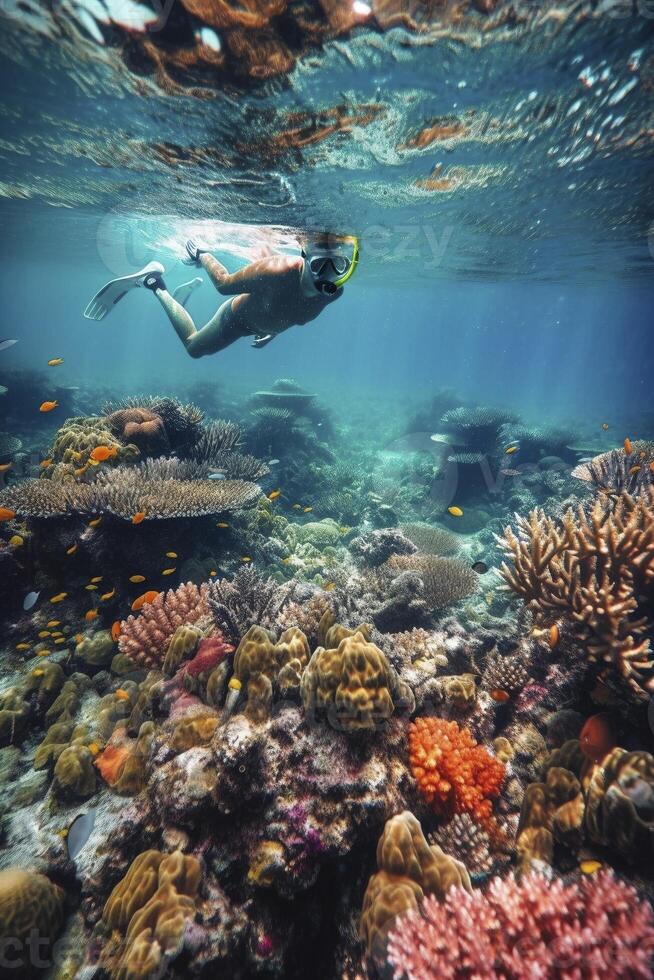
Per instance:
{"type": "Point", "coordinates": [453, 773]}
{"type": "Point", "coordinates": [112, 762]}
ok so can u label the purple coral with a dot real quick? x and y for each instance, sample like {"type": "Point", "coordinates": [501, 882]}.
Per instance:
{"type": "Point", "coordinates": [596, 927]}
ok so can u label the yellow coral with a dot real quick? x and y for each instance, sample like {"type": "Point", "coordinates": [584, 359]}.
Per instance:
{"type": "Point", "coordinates": [29, 902]}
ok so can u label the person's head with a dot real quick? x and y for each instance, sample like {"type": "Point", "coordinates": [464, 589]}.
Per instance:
{"type": "Point", "coordinates": [329, 260]}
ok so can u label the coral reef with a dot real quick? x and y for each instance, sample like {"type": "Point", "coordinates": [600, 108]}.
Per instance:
{"type": "Point", "coordinates": [247, 600]}
{"type": "Point", "coordinates": [446, 580]}
{"type": "Point", "coordinates": [594, 926]}
{"type": "Point", "coordinates": [145, 637]}
{"type": "Point", "coordinates": [31, 912]}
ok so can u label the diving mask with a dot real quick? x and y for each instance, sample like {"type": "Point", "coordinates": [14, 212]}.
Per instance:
{"type": "Point", "coordinates": [331, 268]}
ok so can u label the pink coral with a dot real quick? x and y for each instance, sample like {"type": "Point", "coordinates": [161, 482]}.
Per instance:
{"type": "Point", "coordinates": [145, 637]}
{"type": "Point", "coordinates": [211, 652]}
{"type": "Point", "coordinates": [596, 927]}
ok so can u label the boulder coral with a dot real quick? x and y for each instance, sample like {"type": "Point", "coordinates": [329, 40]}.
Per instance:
{"type": "Point", "coordinates": [29, 904]}
{"type": "Point", "coordinates": [408, 870]}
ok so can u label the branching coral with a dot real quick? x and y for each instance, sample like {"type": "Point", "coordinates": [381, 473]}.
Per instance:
{"type": "Point", "coordinates": [596, 568]}
{"type": "Point", "coordinates": [408, 869]}
{"type": "Point", "coordinates": [454, 774]}
{"type": "Point", "coordinates": [145, 637]}
{"type": "Point", "coordinates": [466, 841]}
{"type": "Point", "coordinates": [508, 673]}
{"type": "Point", "coordinates": [597, 927]}
{"type": "Point", "coordinates": [618, 471]}
{"type": "Point", "coordinates": [246, 600]}
{"type": "Point", "coordinates": [446, 580]}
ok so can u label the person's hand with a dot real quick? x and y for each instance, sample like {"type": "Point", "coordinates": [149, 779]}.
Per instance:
{"type": "Point", "coordinates": [261, 341]}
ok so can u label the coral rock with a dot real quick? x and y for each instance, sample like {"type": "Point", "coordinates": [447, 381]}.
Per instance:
{"type": "Point", "coordinates": [29, 903]}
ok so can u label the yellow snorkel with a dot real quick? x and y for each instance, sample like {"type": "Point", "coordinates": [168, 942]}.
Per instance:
{"type": "Point", "coordinates": [330, 268]}
{"type": "Point", "coordinates": [355, 261]}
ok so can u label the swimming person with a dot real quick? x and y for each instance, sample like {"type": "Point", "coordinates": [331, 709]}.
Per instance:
{"type": "Point", "coordinates": [266, 297]}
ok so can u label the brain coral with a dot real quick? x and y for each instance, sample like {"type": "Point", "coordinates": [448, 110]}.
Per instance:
{"type": "Point", "coordinates": [145, 637]}
{"type": "Point", "coordinates": [28, 902]}
{"type": "Point", "coordinates": [453, 773]}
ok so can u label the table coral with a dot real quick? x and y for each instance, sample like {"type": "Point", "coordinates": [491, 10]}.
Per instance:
{"type": "Point", "coordinates": [596, 927]}
{"type": "Point", "coordinates": [454, 774]}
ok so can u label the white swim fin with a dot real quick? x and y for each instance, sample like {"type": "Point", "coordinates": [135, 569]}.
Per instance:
{"type": "Point", "coordinates": [183, 293]}
{"type": "Point", "coordinates": [104, 301]}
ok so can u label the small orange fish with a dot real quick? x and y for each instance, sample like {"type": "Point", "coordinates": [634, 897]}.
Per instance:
{"type": "Point", "coordinates": [213, 573]}
{"type": "Point", "coordinates": [144, 599]}
{"type": "Point", "coordinates": [43, 653]}
{"type": "Point", "coordinates": [245, 558]}
{"type": "Point", "coordinates": [510, 450]}
{"type": "Point", "coordinates": [634, 470]}
{"type": "Point", "coordinates": [590, 867]}
{"type": "Point", "coordinates": [115, 631]}
{"type": "Point", "coordinates": [307, 510]}
{"type": "Point", "coordinates": [222, 524]}
{"type": "Point", "coordinates": [455, 511]}
{"type": "Point", "coordinates": [171, 554]}
{"type": "Point", "coordinates": [71, 550]}
{"type": "Point", "coordinates": [651, 466]}
{"type": "Point", "coordinates": [6, 514]}
{"type": "Point", "coordinates": [553, 637]}
{"type": "Point", "coordinates": [95, 522]}
{"type": "Point", "coordinates": [500, 695]}
{"type": "Point", "coordinates": [96, 579]}
{"type": "Point", "coordinates": [138, 517]}
{"type": "Point", "coordinates": [5, 467]}
{"type": "Point", "coordinates": [48, 406]}
{"type": "Point", "coordinates": [94, 748]}
{"type": "Point", "coordinates": [60, 640]}
{"type": "Point", "coordinates": [168, 571]}
{"type": "Point", "coordinates": [274, 495]}
{"type": "Point", "coordinates": [78, 637]}
{"type": "Point", "coordinates": [122, 694]}
{"type": "Point", "coordinates": [597, 737]}
{"type": "Point", "coordinates": [628, 448]}
{"type": "Point", "coordinates": [137, 579]}
{"type": "Point", "coordinates": [107, 596]}
{"type": "Point", "coordinates": [45, 463]}
{"type": "Point", "coordinates": [55, 361]}
{"type": "Point", "coordinates": [59, 597]}
{"type": "Point", "coordinates": [605, 426]}
{"type": "Point", "coordinates": [91, 615]}
{"type": "Point", "coordinates": [42, 635]}
{"type": "Point", "coordinates": [102, 453]}
{"type": "Point", "coordinates": [22, 646]}
{"type": "Point", "coordinates": [53, 623]}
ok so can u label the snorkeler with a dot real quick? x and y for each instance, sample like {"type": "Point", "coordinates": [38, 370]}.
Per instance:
{"type": "Point", "coordinates": [266, 297]}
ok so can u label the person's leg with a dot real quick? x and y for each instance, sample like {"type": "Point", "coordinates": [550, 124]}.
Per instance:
{"type": "Point", "coordinates": [199, 255]}
{"type": "Point", "coordinates": [217, 334]}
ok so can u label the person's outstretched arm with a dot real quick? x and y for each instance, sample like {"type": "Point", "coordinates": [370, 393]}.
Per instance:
{"type": "Point", "coordinates": [253, 278]}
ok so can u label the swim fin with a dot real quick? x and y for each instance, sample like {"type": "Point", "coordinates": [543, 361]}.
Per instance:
{"type": "Point", "coordinates": [183, 293]}
{"type": "Point", "coordinates": [104, 301]}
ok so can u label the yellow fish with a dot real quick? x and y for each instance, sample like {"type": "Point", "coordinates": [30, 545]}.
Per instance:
{"type": "Point", "coordinates": [222, 524]}
{"type": "Point", "coordinates": [307, 510]}
{"type": "Point", "coordinates": [245, 558]}
{"type": "Point", "coordinates": [589, 867]}
{"type": "Point", "coordinates": [16, 541]}
{"type": "Point", "coordinates": [71, 550]}
{"type": "Point", "coordinates": [122, 694]}
{"type": "Point", "coordinates": [274, 495]}
{"type": "Point", "coordinates": [90, 588]}
{"type": "Point", "coordinates": [168, 571]}
{"type": "Point", "coordinates": [55, 361]}
{"type": "Point", "coordinates": [53, 623]}
{"type": "Point", "coordinates": [45, 463]}
{"type": "Point", "coordinates": [137, 579]}
{"type": "Point", "coordinates": [43, 653]}
{"type": "Point", "coordinates": [213, 573]}
{"type": "Point", "coordinates": [60, 640]}
{"type": "Point", "coordinates": [108, 595]}
{"type": "Point", "coordinates": [44, 633]}
{"type": "Point", "coordinates": [5, 466]}
{"type": "Point", "coordinates": [95, 522]}
{"type": "Point", "coordinates": [510, 450]}
{"type": "Point", "coordinates": [96, 578]}
{"type": "Point", "coordinates": [22, 646]}
{"type": "Point", "coordinates": [38, 672]}
{"type": "Point", "coordinates": [59, 597]}
{"type": "Point", "coordinates": [57, 633]}
{"type": "Point", "coordinates": [297, 506]}
{"type": "Point", "coordinates": [93, 462]}
{"type": "Point", "coordinates": [63, 833]}
{"type": "Point", "coordinates": [455, 511]}
{"type": "Point", "coordinates": [94, 748]}
{"type": "Point", "coordinates": [171, 554]}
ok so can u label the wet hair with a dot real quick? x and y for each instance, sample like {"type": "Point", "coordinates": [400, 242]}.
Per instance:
{"type": "Point", "coordinates": [323, 239]}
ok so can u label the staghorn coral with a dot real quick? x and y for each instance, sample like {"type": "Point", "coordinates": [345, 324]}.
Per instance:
{"type": "Point", "coordinates": [408, 870]}
{"type": "Point", "coordinates": [453, 773]}
{"type": "Point", "coordinates": [30, 906]}
{"type": "Point", "coordinates": [246, 600]}
{"type": "Point", "coordinates": [430, 539]}
{"type": "Point", "coordinates": [596, 568]}
{"type": "Point", "coordinates": [147, 913]}
{"type": "Point", "coordinates": [536, 927]}
{"type": "Point", "coordinates": [354, 684]}
{"type": "Point", "coordinates": [445, 580]}
{"type": "Point", "coordinates": [145, 637]}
